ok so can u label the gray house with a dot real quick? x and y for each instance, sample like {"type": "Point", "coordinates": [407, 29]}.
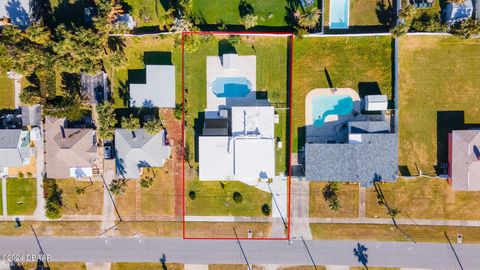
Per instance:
{"type": "Point", "coordinates": [138, 150]}
{"type": "Point", "coordinates": [14, 149]}
{"type": "Point", "coordinates": [370, 155]}
{"type": "Point", "coordinates": [157, 91]}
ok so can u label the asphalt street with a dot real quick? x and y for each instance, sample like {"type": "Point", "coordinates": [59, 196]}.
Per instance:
{"type": "Point", "coordinates": [133, 249]}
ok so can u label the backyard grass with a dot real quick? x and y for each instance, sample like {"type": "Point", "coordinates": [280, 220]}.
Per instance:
{"type": "Point", "coordinates": [21, 196]}
{"type": "Point", "coordinates": [145, 12]}
{"type": "Point", "coordinates": [270, 13]}
{"type": "Point", "coordinates": [159, 50]}
{"type": "Point", "coordinates": [213, 200]}
{"type": "Point", "coordinates": [347, 193]}
{"type": "Point", "coordinates": [126, 202]}
{"type": "Point", "coordinates": [272, 68]}
{"type": "Point", "coordinates": [362, 13]}
{"type": "Point", "coordinates": [227, 229]}
{"type": "Point", "coordinates": [7, 92]}
{"type": "Point", "coordinates": [146, 266]}
{"type": "Point", "coordinates": [425, 198]}
{"type": "Point", "coordinates": [379, 232]}
{"type": "Point", "coordinates": [438, 76]}
{"type": "Point", "coordinates": [88, 203]}
{"type": "Point", "coordinates": [361, 63]}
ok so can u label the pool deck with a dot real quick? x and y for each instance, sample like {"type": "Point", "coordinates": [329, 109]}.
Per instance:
{"type": "Point", "coordinates": [246, 67]}
{"type": "Point", "coordinates": [329, 129]}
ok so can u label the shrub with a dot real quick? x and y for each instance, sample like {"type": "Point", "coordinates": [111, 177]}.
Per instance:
{"type": "Point", "coordinates": [249, 21]}
{"type": "Point", "coordinates": [266, 209]}
{"type": "Point", "coordinates": [427, 22]}
{"type": "Point", "coordinates": [237, 197]}
{"type": "Point", "coordinates": [53, 196]}
{"type": "Point", "coordinates": [29, 174]}
{"type": "Point", "coordinates": [146, 182]}
{"type": "Point", "coordinates": [178, 111]}
{"type": "Point", "coordinates": [192, 195]}
{"type": "Point", "coordinates": [20, 175]}
{"type": "Point", "coordinates": [80, 190]}
{"type": "Point", "coordinates": [118, 187]}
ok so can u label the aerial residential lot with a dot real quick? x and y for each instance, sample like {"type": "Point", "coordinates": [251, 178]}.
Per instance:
{"type": "Point", "coordinates": [360, 63]}
{"type": "Point", "coordinates": [438, 75]}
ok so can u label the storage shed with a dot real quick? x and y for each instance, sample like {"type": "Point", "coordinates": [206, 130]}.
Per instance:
{"type": "Point", "coordinates": [376, 103]}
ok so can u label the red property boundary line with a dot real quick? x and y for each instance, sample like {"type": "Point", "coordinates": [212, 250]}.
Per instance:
{"type": "Point", "coordinates": [290, 75]}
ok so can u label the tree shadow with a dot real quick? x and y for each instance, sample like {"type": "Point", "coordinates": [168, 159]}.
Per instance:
{"type": "Point", "coordinates": [385, 12]}
{"type": "Point", "coordinates": [41, 11]}
{"type": "Point", "coordinates": [123, 92]}
{"type": "Point", "coordinates": [360, 253]}
{"type": "Point", "coordinates": [70, 14]}
{"type": "Point", "coordinates": [329, 80]}
{"type": "Point", "coordinates": [71, 83]}
{"type": "Point", "coordinates": [245, 8]}
{"type": "Point", "coordinates": [116, 44]}
{"type": "Point", "coordinates": [17, 13]}
{"type": "Point", "coordinates": [225, 47]}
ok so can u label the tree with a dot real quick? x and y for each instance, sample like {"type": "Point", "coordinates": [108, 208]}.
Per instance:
{"type": "Point", "coordinates": [466, 29]}
{"type": "Point", "coordinates": [118, 186]}
{"type": "Point", "coordinates": [399, 30]}
{"type": "Point", "coordinates": [181, 24]}
{"type": "Point", "coordinates": [335, 205]}
{"type": "Point", "coordinates": [266, 209]}
{"type": "Point", "coordinates": [31, 95]}
{"type": "Point", "coordinates": [249, 20]}
{"type": "Point", "coordinates": [406, 13]}
{"type": "Point", "coordinates": [192, 42]}
{"type": "Point", "coordinates": [106, 121]}
{"type": "Point", "coordinates": [309, 18]}
{"type": "Point", "coordinates": [237, 197]}
{"type": "Point", "coordinates": [178, 111]}
{"type": "Point", "coordinates": [234, 40]}
{"type": "Point", "coordinates": [192, 195]}
{"type": "Point", "coordinates": [80, 190]}
{"type": "Point", "coordinates": [428, 22]}
{"type": "Point", "coordinates": [166, 20]}
{"type": "Point", "coordinates": [152, 126]}
{"type": "Point", "coordinates": [131, 124]}
{"type": "Point", "coordinates": [69, 107]}
{"type": "Point", "coordinates": [146, 182]}
{"type": "Point", "coordinates": [53, 202]}
{"type": "Point", "coordinates": [329, 192]}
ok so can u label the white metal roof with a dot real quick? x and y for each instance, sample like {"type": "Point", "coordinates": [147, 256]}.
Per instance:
{"type": "Point", "coordinates": [159, 89]}
{"type": "Point", "coordinates": [216, 163]}
{"type": "Point", "coordinates": [253, 121]}
{"type": "Point", "coordinates": [376, 103]}
{"type": "Point", "coordinates": [254, 158]}
{"type": "Point", "coordinates": [230, 61]}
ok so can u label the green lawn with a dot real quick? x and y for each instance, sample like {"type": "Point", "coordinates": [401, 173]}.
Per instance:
{"type": "Point", "coordinates": [159, 50]}
{"type": "Point", "coordinates": [145, 12]}
{"type": "Point", "coordinates": [21, 196]}
{"type": "Point", "coordinates": [361, 63]}
{"type": "Point", "coordinates": [425, 198]}
{"type": "Point", "coordinates": [7, 92]}
{"type": "Point", "coordinates": [362, 12]}
{"type": "Point", "coordinates": [438, 75]}
{"type": "Point", "coordinates": [272, 67]}
{"type": "Point", "coordinates": [270, 13]}
{"type": "Point", "coordinates": [213, 200]}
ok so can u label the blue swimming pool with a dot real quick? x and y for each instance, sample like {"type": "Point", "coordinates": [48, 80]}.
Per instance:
{"type": "Point", "coordinates": [322, 106]}
{"type": "Point", "coordinates": [339, 13]}
{"type": "Point", "coordinates": [231, 87]}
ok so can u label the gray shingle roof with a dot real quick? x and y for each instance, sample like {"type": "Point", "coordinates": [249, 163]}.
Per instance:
{"type": "Point", "coordinates": [374, 158]}
{"type": "Point", "coordinates": [10, 154]}
{"type": "Point", "coordinates": [144, 150]}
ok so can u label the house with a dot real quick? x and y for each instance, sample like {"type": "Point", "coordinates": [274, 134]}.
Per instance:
{"type": "Point", "coordinates": [422, 3]}
{"type": "Point", "coordinates": [455, 12]}
{"type": "Point", "coordinates": [157, 91]}
{"type": "Point", "coordinates": [125, 19]}
{"type": "Point", "coordinates": [137, 150]}
{"type": "Point", "coordinates": [240, 147]}
{"type": "Point", "coordinates": [16, 12]}
{"type": "Point", "coordinates": [71, 150]}
{"type": "Point", "coordinates": [95, 88]}
{"type": "Point", "coordinates": [14, 149]}
{"type": "Point", "coordinates": [464, 160]}
{"type": "Point", "coordinates": [370, 154]}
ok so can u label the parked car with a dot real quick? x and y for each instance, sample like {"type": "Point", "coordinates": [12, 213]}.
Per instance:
{"type": "Point", "coordinates": [108, 150]}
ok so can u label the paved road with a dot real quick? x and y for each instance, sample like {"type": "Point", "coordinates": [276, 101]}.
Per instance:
{"type": "Point", "coordinates": [394, 254]}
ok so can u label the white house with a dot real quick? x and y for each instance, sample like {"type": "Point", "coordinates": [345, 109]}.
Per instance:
{"type": "Point", "coordinates": [159, 89]}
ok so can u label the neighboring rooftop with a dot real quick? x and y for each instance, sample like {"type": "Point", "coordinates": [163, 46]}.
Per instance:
{"type": "Point", "coordinates": [71, 152]}
{"type": "Point", "coordinates": [143, 150]}
{"type": "Point", "coordinates": [454, 12]}
{"type": "Point", "coordinates": [31, 115]}
{"type": "Point", "coordinates": [14, 147]}
{"type": "Point", "coordinates": [159, 89]}
{"type": "Point", "coordinates": [371, 154]}
{"type": "Point", "coordinates": [464, 160]}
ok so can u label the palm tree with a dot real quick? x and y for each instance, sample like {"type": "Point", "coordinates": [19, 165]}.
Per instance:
{"type": "Point", "coordinates": [330, 191]}
{"type": "Point", "coordinates": [131, 124]}
{"type": "Point", "coordinates": [335, 205]}
{"type": "Point", "coordinates": [309, 19]}
{"type": "Point", "coordinates": [249, 21]}
{"type": "Point", "coordinates": [118, 187]}
{"type": "Point", "coordinates": [106, 121]}
{"type": "Point", "coordinates": [152, 126]}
